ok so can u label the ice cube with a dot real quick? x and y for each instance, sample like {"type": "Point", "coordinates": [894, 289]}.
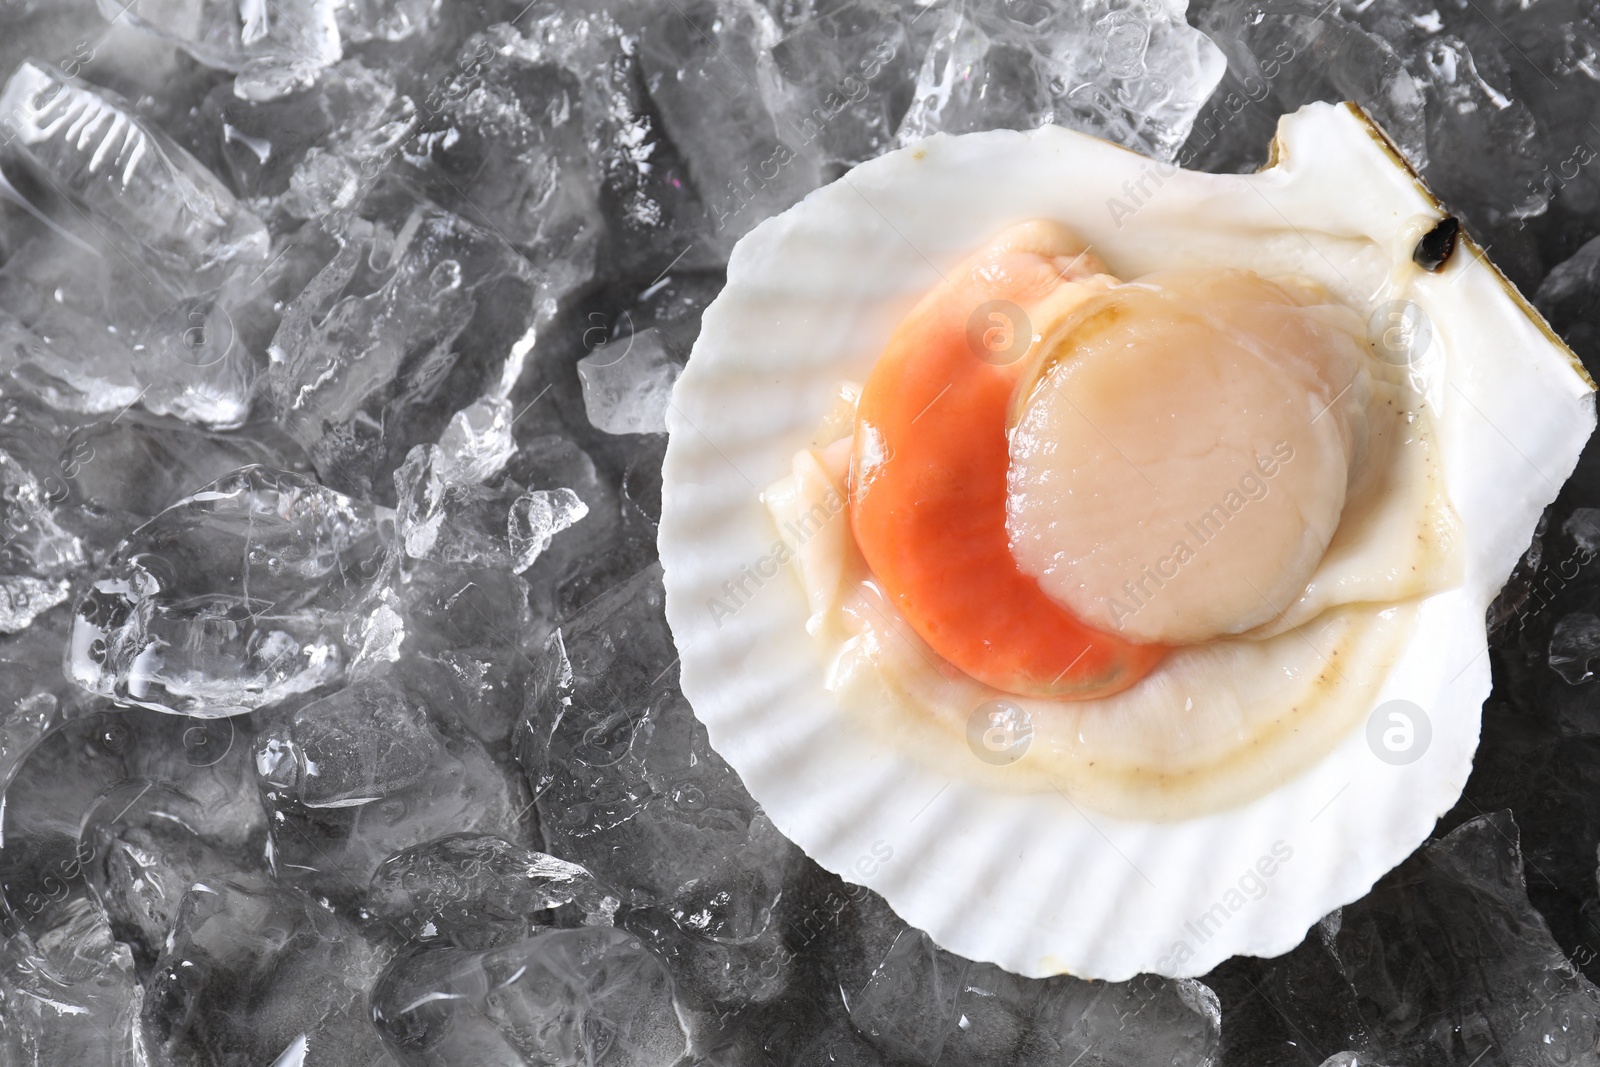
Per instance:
{"type": "Point", "coordinates": [1495, 158]}
{"type": "Point", "coordinates": [1448, 954]}
{"type": "Point", "coordinates": [1471, 119]}
{"type": "Point", "coordinates": [1445, 961]}
{"type": "Point", "coordinates": [844, 78]}
{"type": "Point", "coordinates": [105, 477]}
{"type": "Point", "coordinates": [1574, 643]}
{"type": "Point", "coordinates": [34, 698]}
{"type": "Point", "coordinates": [628, 785]}
{"type": "Point", "coordinates": [627, 384]}
{"type": "Point", "coordinates": [476, 525]}
{"type": "Point", "coordinates": [473, 626]}
{"type": "Point", "coordinates": [445, 521]}
{"type": "Point", "coordinates": [346, 126]}
{"type": "Point", "coordinates": [503, 141]}
{"type": "Point", "coordinates": [98, 333]}
{"type": "Point", "coordinates": [144, 843]}
{"type": "Point", "coordinates": [418, 315]}
{"type": "Point", "coordinates": [23, 597]}
{"type": "Point", "coordinates": [929, 1005]}
{"type": "Point", "coordinates": [821, 956]}
{"type": "Point", "coordinates": [1295, 1009]}
{"type": "Point", "coordinates": [616, 757]}
{"type": "Point", "coordinates": [361, 21]}
{"type": "Point", "coordinates": [838, 1045]}
{"type": "Point", "coordinates": [126, 314]}
{"type": "Point", "coordinates": [38, 559]}
{"type": "Point", "coordinates": [372, 124]}
{"type": "Point", "coordinates": [70, 996]}
{"type": "Point", "coordinates": [135, 466]}
{"type": "Point", "coordinates": [1282, 54]}
{"type": "Point", "coordinates": [344, 337]}
{"type": "Point", "coordinates": [704, 63]}
{"type": "Point", "coordinates": [275, 46]}
{"type": "Point", "coordinates": [669, 311]}
{"type": "Point", "coordinates": [71, 318]}
{"type": "Point", "coordinates": [1570, 298]}
{"type": "Point", "coordinates": [535, 520]}
{"type": "Point", "coordinates": [450, 494]}
{"type": "Point", "coordinates": [368, 741]}
{"type": "Point", "coordinates": [1132, 74]}
{"type": "Point", "coordinates": [255, 971]}
{"type": "Point", "coordinates": [208, 761]}
{"type": "Point", "coordinates": [478, 891]}
{"type": "Point", "coordinates": [51, 787]}
{"type": "Point", "coordinates": [358, 775]}
{"type": "Point", "coordinates": [590, 996]}
{"type": "Point", "coordinates": [192, 363]}
{"type": "Point", "coordinates": [445, 515]}
{"type": "Point", "coordinates": [477, 444]}
{"type": "Point", "coordinates": [236, 596]}
{"type": "Point", "coordinates": [719, 977]}
{"type": "Point", "coordinates": [99, 779]}
{"type": "Point", "coordinates": [1583, 526]}
{"type": "Point", "coordinates": [653, 218]}
{"type": "Point", "coordinates": [560, 576]}
{"type": "Point", "coordinates": [132, 179]}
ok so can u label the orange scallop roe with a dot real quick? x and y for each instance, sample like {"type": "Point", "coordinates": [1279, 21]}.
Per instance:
{"type": "Point", "coordinates": [928, 483]}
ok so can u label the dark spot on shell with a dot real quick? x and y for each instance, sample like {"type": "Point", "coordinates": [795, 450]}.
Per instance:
{"type": "Point", "coordinates": [1434, 249]}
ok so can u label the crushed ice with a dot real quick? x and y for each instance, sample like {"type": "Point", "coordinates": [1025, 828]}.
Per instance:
{"type": "Point", "coordinates": [339, 719]}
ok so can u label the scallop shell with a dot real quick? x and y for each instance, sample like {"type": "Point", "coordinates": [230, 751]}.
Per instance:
{"type": "Point", "coordinates": [1033, 882]}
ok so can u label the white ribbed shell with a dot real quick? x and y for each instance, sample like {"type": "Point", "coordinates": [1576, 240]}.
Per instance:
{"type": "Point", "coordinates": [1030, 881]}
